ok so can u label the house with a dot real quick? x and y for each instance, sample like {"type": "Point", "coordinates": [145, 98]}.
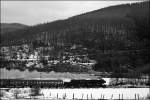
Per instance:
{"type": "Point", "coordinates": [4, 49]}
{"type": "Point", "coordinates": [33, 57]}
{"type": "Point", "coordinates": [25, 47]}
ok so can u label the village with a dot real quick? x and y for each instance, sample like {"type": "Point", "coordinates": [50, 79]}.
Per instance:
{"type": "Point", "coordinates": [43, 56]}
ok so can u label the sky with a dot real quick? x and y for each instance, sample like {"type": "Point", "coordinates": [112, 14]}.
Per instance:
{"type": "Point", "coordinates": [37, 12]}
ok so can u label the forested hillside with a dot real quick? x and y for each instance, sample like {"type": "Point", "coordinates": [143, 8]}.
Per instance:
{"type": "Point", "coordinates": [10, 27]}
{"type": "Point", "coordinates": [117, 36]}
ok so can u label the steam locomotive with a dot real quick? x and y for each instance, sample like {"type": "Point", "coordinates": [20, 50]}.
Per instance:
{"type": "Point", "coordinates": [53, 83]}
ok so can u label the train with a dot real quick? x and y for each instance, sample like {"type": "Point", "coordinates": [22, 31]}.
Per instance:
{"type": "Point", "coordinates": [52, 83]}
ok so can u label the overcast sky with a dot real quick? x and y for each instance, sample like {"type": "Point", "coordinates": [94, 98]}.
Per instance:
{"type": "Point", "coordinates": [35, 12]}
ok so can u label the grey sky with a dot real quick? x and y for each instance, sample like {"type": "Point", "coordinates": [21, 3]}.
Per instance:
{"type": "Point", "coordinates": [35, 12]}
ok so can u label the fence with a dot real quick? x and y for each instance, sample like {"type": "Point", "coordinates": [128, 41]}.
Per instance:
{"type": "Point", "coordinates": [97, 94]}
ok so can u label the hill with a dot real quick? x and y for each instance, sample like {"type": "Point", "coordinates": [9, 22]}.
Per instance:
{"type": "Point", "coordinates": [10, 27]}
{"type": "Point", "coordinates": [117, 37]}
{"type": "Point", "coordinates": [89, 26]}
